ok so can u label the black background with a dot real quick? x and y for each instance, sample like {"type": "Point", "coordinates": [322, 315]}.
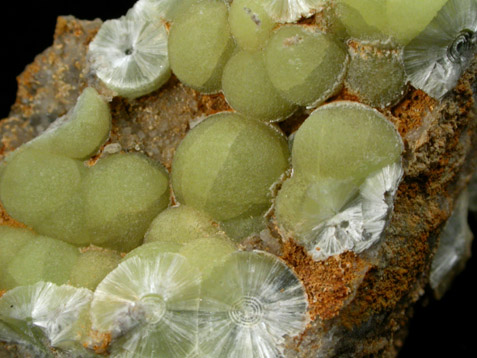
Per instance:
{"type": "Point", "coordinates": [440, 329]}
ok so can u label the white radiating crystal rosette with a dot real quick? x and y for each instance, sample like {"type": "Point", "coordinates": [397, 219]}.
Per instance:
{"type": "Point", "coordinates": [249, 304]}
{"type": "Point", "coordinates": [153, 10]}
{"type": "Point", "coordinates": [361, 223]}
{"type": "Point", "coordinates": [43, 310]}
{"type": "Point", "coordinates": [149, 305]}
{"type": "Point", "coordinates": [437, 57]}
{"type": "Point", "coordinates": [291, 10]}
{"type": "Point", "coordinates": [130, 56]}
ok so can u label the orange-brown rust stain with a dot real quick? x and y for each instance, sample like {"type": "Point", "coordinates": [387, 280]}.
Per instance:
{"type": "Point", "coordinates": [211, 104]}
{"type": "Point", "coordinates": [7, 220]}
{"type": "Point", "coordinates": [328, 283]}
{"type": "Point", "coordinates": [410, 111]}
{"type": "Point", "coordinates": [103, 341]}
{"type": "Point", "coordinates": [2, 292]}
{"type": "Point", "coordinates": [383, 289]}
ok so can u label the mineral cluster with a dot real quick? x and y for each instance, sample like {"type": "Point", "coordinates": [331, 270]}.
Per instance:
{"type": "Point", "coordinates": [240, 179]}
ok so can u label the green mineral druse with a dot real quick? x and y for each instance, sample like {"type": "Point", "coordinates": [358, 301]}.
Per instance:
{"type": "Point", "coordinates": [200, 44]}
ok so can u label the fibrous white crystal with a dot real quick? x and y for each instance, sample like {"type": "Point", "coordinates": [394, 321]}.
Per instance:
{"type": "Point", "coordinates": [436, 58]}
{"type": "Point", "coordinates": [130, 56]}
{"type": "Point", "coordinates": [361, 223]}
{"type": "Point", "coordinates": [454, 247]}
{"type": "Point", "coordinates": [47, 308]}
{"type": "Point", "coordinates": [249, 304]}
{"type": "Point", "coordinates": [149, 305]}
{"type": "Point", "coordinates": [291, 10]}
{"type": "Point", "coordinates": [152, 10]}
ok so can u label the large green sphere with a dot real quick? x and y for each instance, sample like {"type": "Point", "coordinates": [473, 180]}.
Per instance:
{"type": "Point", "coordinates": [226, 165]}
{"type": "Point", "coordinates": [200, 44]}
{"type": "Point", "coordinates": [345, 140]}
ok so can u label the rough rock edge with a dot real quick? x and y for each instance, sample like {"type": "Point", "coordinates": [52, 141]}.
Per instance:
{"type": "Point", "coordinates": [360, 304]}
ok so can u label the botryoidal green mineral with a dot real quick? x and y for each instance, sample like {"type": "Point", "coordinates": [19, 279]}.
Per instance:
{"type": "Point", "coordinates": [346, 160]}
{"type": "Point", "coordinates": [44, 185]}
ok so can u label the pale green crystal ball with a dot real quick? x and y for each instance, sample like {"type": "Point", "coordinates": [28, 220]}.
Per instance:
{"type": "Point", "coordinates": [123, 194]}
{"type": "Point", "coordinates": [34, 184]}
{"type": "Point", "coordinates": [12, 240]}
{"type": "Point", "coordinates": [226, 165]}
{"type": "Point", "coordinates": [92, 266]}
{"type": "Point", "coordinates": [345, 140]}
{"type": "Point", "coordinates": [200, 44]}
{"type": "Point", "coordinates": [250, 24]}
{"type": "Point", "coordinates": [378, 19]}
{"type": "Point", "coordinates": [376, 75]}
{"type": "Point", "coordinates": [180, 225]}
{"type": "Point", "coordinates": [305, 65]}
{"type": "Point", "coordinates": [43, 259]}
{"type": "Point", "coordinates": [248, 89]}
{"type": "Point", "coordinates": [81, 132]}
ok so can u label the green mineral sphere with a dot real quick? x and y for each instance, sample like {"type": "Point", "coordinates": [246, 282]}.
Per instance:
{"type": "Point", "coordinates": [248, 89]}
{"type": "Point", "coordinates": [43, 259]}
{"type": "Point", "coordinates": [200, 44]}
{"type": "Point", "coordinates": [345, 140]}
{"type": "Point", "coordinates": [123, 194]}
{"type": "Point", "coordinates": [180, 225]}
{"type": "Point", "coordinates": [12, 240]}
{"type": "Point", "coordinates": [82, 131]}
{"type": "Point", "coordinates": [250, 24]}
{"type": "Point", "coordinates": [384, 67]}
{"type": "Point", "coordinates": [226, 165]}
{"type": "Point", "coordinates": [208, 252]}
{"type": "Point", "coordinates": [33, 184]}
{"type": "Point", "coordinates": [305, 65]}
{"type": "Point", "coordinates": [378, 19]}
{"type": "Point", "coordinates": [92, 266]}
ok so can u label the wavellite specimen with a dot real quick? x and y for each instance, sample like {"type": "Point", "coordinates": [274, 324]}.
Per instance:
{"type": "Point", "coordinates": [338, 260]}
{"type": "Point", "coordinates": [200, 44]}
{"type": "Point", "coordinates": [216, 168]}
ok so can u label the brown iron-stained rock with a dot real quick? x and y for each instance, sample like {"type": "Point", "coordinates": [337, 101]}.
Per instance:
{"type": "Point", "coordinates": [360, 305]}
